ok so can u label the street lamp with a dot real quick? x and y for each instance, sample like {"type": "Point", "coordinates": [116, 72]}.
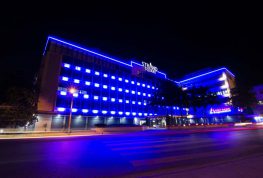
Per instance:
{"type": "Point", "coordinates": [72, 91]}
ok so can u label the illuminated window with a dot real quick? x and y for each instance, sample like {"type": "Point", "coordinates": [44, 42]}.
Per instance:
{"type": "Point", "coordinates": [144, 104]}
{"type": "Point", "coordinates": [95, 111]}
{"type": "Point", "coordinates": [96, 85]}
{"type": "Point", "coordinates": [140, 114]}
{"type": "Point", "coordinates": [138, 84]}
{"type": "Point", "coordinates": [86, 96]}
{"type": "Point", "coordinates": [97, 73]}
{"type": "Point", "coordinates": [149, 95]}
{"type": "Point", "coordinates": [112, 88]}
{"type": "Point", "coordinates": [133, 92]}
{"type": "Point", "coordinates": [76, 81]}
{"type": "Point", "coordinates": [132, 82]}
{"type": "Point", "coordinates": [134, 113]}
{"type": "Point", "coordinates": [61, 109]}
{"type": "Point", "coordinates": [127, 91]}
{"type": "Point", "coordinates": [152, 87]}
{"type": "Point", "coordinates": [74, 110]}
{"type": "Point", "coordinates": [113, 112]}
{"type": "Point", "coordinates": [133, 102]}
{"type": "Point", "coordinates": [120, 89]}
{"type": "Point", "coordinates": [127, 113]}
{"type": "Point", "coordinates": [105, 86]}
{"type": "Point", "coordinates": [139, 103]}
{"type": "Point", "coordinates": [65, 78]}
{"type": "Point", "coordinates": [96, 97]}
{"type": "Point", "coordinates": [120, 100]}
{"type": "Point", "coordinates": [66, 65]}
{"type": "Point", "coordinates": [104, 112]}
{"type": "Point", "coordinates": [139, 93]}
{"type": "Point", "coordinates": [78, 68]}
{"type": "Point", "coordinates": [143, 85]}
{"type": "Point", "coordinates": [120, 79]}
{"type": "Point", "coordinates": [127, 101]}
{"type": "Point", "coordinates": [105, 75]}
{"type": "Point", "coordinates": [120, 112]}
{"type": "Point", "coordinates": [75, 95]}
{"type": "Point", "coordinates": [144, 94]}
{"type": "Point", "coordinates": [63, 93]}
{"type": "Point", "coordinates": [104, 98]}
{"type": "Point", "coordinates": [112, 99]}
{"type": "Point", "coordinates": [148, 86]}
{"type": "Point", "coordinates": [113, 77]}
{"type": "Point", "coordinates": [85, 110]}
{"type": "Point", "coordinates": [87, 71]}
{"type": "Point", "coordinates": [87, 83]}
{"type": "Point", "coordinates": [127, 81]}
{"type": "Point", "coordinates": [145, 114]}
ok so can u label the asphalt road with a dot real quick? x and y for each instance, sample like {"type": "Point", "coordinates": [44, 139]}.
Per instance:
{"type": "Point", "coordinates": [145, 154]}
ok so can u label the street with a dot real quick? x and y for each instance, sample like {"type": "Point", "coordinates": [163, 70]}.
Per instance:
{"type": "Point", "coordinates": [153, 153]}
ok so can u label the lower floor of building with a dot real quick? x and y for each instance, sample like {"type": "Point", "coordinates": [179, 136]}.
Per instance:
{"type": "Point", "coordinates": [47, 122]}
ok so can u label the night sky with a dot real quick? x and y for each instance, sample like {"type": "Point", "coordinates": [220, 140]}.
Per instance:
{"type": "Point", "coordinates": [178, 39]}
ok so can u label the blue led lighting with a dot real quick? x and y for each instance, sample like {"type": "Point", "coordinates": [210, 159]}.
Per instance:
{"type": "Point", "coordinates": [127, 81]}
{"type": "Point", "coordinates": [140, 114]}
{"type": "Point", "coordinates": [65, 78]}
{"type": "Point", "coordinates": [63, 93]}
{"type": "Point", "coordinates": [96, 85]}
{"type": "Point", "coordinates": [67, 65]}
{"type": "Point", "coordinates": [96, 97]}
{"type": "Point", "coordinates": [87, 70]}
{"type": "Point", "coordinates": [86, 96]}
{"type": "Point", "coordinates": [120, 89]}
{"type": "Point", "coordinates": [144, 94]}
{"type": "Point", "coordinates": [112, 99]}
{"type": "Point", "coordinates": [113, 77]}
{"type": "Point", "coordinates": [145, 114]}
{"type": "Point", "coordinates": [127, 91]}
{"type": "Point", "coordinates": [97, 73]}
{"type": "Point", "coordinates": [120, 100]}
{"type": "Point", "coordinates": [133, 92]}
{"type": "Point", "coordinates": [152, 87]}
{"type": "Point", "coordinates": [132, 82]}
{"type": "Point", "coordinates": [104, 112]}
{"type": "Point", "coordinates": [120, 112]}
{"type": "Point", "coordinates": [112, 88]}
{"type": "Point", "coordinates": [127, 113]}
{"type": "Point", "coordinates": [87, 83]}
{"type": "Point", "coordinates": [143, 85]}
{"type": "Point", "coordinates": [149, 95]}
{"type": "Point", "coordinates": [120, 79]}
{"type": "Point", "coordinates": [138, 84]}
{"type": "Point", "coordinates": [84, 49]}
{"type": "Point", "coordinates": [105, 86]}
{"type": "Point", "coordinates": [144, 104]}
{"type": "Point", "coordinates": [148, 86]}
{"type": "Point", "coordinates": [139, 103]}
{"type": "Point", "coordinates": [134, 113]}
{"type": "Point", "coordinates": [113, 112]}
{"type": "Point", "coordinates": [139, 93]}
{"type": "Point", "coordinates": [206, 74]}
{"type": "Point", "coordinates": [61, 109]}
{"type": "Point", "coordinates": [105, 75]}
{"type": "Point", "coordinates": [133, 102]}
{"type": "Point", "coordinates": [127, 101]}
{"type": "Point", "coordinates": [85, 110]}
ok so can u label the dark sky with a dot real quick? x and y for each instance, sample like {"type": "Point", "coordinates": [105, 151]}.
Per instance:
{"type": "Point", "coordinates": [178, 39]}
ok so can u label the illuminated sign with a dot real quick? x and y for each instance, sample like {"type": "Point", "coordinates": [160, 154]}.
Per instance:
{"type": "Point", "coordinates": [219, 110]}
{"type": "Point", "coordinates": [149, 67]}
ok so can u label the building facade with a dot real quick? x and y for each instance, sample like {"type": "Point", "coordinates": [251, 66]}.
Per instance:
{"type": "Point", "coordinates": [107, 91]}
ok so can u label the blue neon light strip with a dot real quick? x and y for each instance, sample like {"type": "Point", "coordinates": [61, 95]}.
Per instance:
{"type": "Point", "coordinates": [207, 74]}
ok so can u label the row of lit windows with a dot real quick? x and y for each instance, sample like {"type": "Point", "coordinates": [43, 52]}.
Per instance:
{"type": "Point", "coordinates": [86, 96]}
{"type": "Point", "coordinates": [104, 75]}
{"type": "Point", "coordinates": [97, 85]}
{"type": "Point", "coordinates": [94, 111]}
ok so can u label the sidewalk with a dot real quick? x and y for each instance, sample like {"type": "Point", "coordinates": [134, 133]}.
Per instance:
{"type": "Point", "coordinates": [97, 132]}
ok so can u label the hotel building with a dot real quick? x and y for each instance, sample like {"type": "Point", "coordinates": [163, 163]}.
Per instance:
{"type": "Point", "coordinates": [107, 90]}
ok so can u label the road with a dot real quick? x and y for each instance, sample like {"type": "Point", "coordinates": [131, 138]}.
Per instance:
{"type": "Point", "coordinates": [155, 153]}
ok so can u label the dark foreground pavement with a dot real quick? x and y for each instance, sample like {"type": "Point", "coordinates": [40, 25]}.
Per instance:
{"type": "Point", "coordinates": [155, 153]}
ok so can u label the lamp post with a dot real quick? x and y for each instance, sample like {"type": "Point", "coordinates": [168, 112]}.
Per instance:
{"type": "Point", "coordinates": [72, 91]}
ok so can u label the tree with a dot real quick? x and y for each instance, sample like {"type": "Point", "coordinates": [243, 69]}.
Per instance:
{"type": "Point", "coordinates": [20, 108]}
{"type": "Point", "coordinates": [241, 96]}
